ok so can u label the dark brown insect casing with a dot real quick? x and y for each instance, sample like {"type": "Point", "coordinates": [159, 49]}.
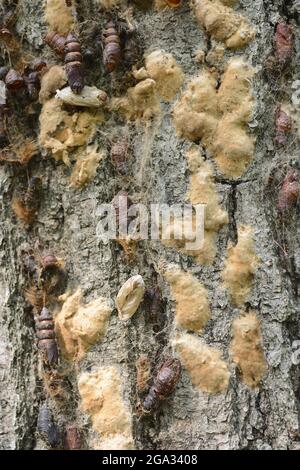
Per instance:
{"type": "Point", "coordinates": [52, 277]}
{"type": "Point", "coordinates": [56, 42]}
{"type": "Point", "coordinates": [156, 302]}
{"type": "Point", "coordinates": [289, 192]}
{"type": "Point", "coordinates": [73, 439]}
{"type": "Point", "coordinates": [283, 43]}
{"type": "Point", "coordinates": [112, 48]}
{"type": "Point", "coordinates": [73, 64]}
{"type": "Point", "coordinates": [13, 80]}
{"type": "Point", "coordinates": [283, 125]}
{"type": "Point", "coordinates": [32, 81]}
{"type": "Point", "coordinates": [163, 384]}
{"type": "Point", "coordinates": [47, 428]}
{"type": "Point", "coordinates": [119, 154]}
{"type": "Point", "coordinates": [46, 336]}
{"type": "Point", "coordinates": [49, 261]}
{"type": "Point", "coordinates": [173, 3]}
{"type": "Point", "coordinates": [3, 134]}
{"type": "Point", "coordinates": [39, 65]}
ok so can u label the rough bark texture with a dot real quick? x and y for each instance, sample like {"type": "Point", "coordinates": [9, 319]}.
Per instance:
{"type": "Point", "coordinates": [241, 418]}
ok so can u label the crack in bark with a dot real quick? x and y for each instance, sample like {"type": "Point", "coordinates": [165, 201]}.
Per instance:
{"type": "Point", "coordinates": [232, 207]}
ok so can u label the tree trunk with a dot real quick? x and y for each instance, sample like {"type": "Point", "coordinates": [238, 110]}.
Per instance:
{"type": "Point", "coordinates": [240, 417]}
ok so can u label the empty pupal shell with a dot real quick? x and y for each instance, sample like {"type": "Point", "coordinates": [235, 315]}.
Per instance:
{"type": "Point", "coordinates": [130, 296]}
{"type": "Point", "coordinates": [90, 97]}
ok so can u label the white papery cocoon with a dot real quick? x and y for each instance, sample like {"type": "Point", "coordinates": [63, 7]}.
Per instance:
{"type": "Point", "coordinates": [90, 97]}
{"type": "Point", "coordinates": [130, 296]}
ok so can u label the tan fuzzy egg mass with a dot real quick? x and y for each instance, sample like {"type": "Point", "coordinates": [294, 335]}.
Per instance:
{"type": "Point", "coordinates": [246, 349]}
{"type": "Point", "coordinates": [61, 132]}
{"type": "Point", "coordinates": [215, 56]}
{"type": "Point", "coordinates": [140, 103]}
{"type": "Point", "coordinates": [101, 398]}
{"type": "Point", "coordinates": [163, 68]}
{"type": "Point", "coordinates": [59, 16]}
{"type": "Point", "coordinates": [54, 79]}
{"type": "Point", "coordinates": [233, 148]}
{"type": "Point", "coordinates": [200, 56]}
{"type": "Point", "coordinates": [201, 190]}
{"type": "Point", "coordinates": [192, 306]}
{"type": "Point", "coordinates": [196, 113]}
{"type": "Point", "coordinates": [80, 326]}
{"type": "Point", "coordinates": [235, 89]}
{"type": "Point", "coordinates": [240, 266]}
{"type": "Point", "coordinates": [222, 23]}
{"type": "Point", "coordinates": [85, 168]}
{"type": "Point", "coordinates": [183, 235]}
{"type": "Point", "coordinates": [219, 118]}
{"type": "Point", "coordinates": [208, 371]}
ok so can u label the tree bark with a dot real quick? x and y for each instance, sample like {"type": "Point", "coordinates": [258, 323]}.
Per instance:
{"type": "Point", "coordinates": [266, 417]}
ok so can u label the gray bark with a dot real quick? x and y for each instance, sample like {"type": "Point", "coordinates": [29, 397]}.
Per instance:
{"type": "Point", "coordinates": [241, 418]}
